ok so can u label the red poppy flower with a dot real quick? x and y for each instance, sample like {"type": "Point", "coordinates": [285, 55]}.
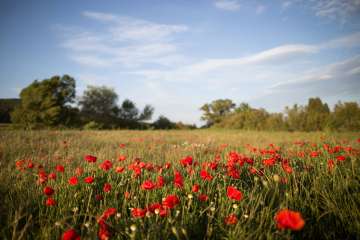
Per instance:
{"type": "Point", "coordinates": [148, 185]}
{"type": "Point", "coordinates": [48, 191]}
{"type": "Point", "coordinates": [233, 193]}
{"type": "Point", "coordinates": [171, 201]}
{"type": "Point", "coordinates": [73, 181]}
{"type": "Point", "coordinates": [122, 145]}
{"type": "Point", "coordinates": [30, 165]}
{"type": "Point", "coordinates": [287, 219]}
{"type": "Point", "coordinates": [187, 161]}
{"type": "Point", "coordinates": [42, 177]}
{"type": "Point", "coordinates": [104, 232]}
{"type": "Point", "coordinates": [99, 197]}
{"type": "Point", "coordinates": [52, 176]}
{"type": "Point", "coordinates": [106, 165]}
{"type": "Point", "coordinates": [107, 187]}
{"type": "Point", "coordinates": [122, 158]}
{"type": "Point", "coordinates": [90, 158]}
{"type": "Point", "coordinates": [119, 169]}
{"type": "Point", "coordinates": [60, 168]}
{"type": "Point", "coordinates": [195, 188]}
{"type": "Point", "coordinates": [286, 167]}
{"type": "Point", "coordinates": [205, 175]}
{"type": "Point", "coordinates": [108, 213]}
{"type": "Point", "coordinates": [203, 197]}
{"type": "Point", "coordinates": [152, 207]}
{"type": "Point", "coordinates": [330, 164]}
{"type": "Point", "coordinates": [269, 162]}
{"type": "Point", "coordinates": [233, 172]}
{"type": "Point", "coordinates": [70, 234]}
{"type": "Point", "coordinates": [138, 212]}
{"type": "Point", "coordinates": [314, 154]}
{"type": "Point", "coordinates": [127, 195]}
{"type": "Point", "coordinates": [231, 219]}
{"type": "Point", "coordinates": [89, 180]}
{"type": "Point", "coordinates": [178, 180]}
{"type": "Point", "coordinates": [340, 158]}
{"type": "Point", "coordinates": [50, 202]}
{"type": "Point", "coordinates": [160, 181]}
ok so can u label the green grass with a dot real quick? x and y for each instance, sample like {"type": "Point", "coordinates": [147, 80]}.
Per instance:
{"type": "Point", "coordinates": [329, 201]}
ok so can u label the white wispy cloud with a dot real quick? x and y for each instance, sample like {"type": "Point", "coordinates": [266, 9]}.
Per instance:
{"type": "Point", "coordinates": [125, 41]}
{"type": "Point", "coordinates": [227, 5]}
{"type": "Point", "coordinates": [339, 10]}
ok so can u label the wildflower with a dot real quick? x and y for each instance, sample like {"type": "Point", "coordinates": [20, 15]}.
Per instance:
{"type": "Point", "coordinates": [107, 187]}
{"type": "Point", "coordinates": [73, 181]}
{"type": "Point", "coordinates": [138, 212]}
{"type": "Point", "coordinates": [287, 219]}
{"type": "Point", "coordinates": [48, 191]}
{"type": "Point", "coordinates": [160, 181]}
{"type": "Point", "coordinates": [70, 234]}
{"type": "Point", "coordinates": [205, 175]}
{"type": "Point", "coordinates": [60, 168]}
{"type": "Point", "coordinates": [89, 180]}
{"type": "Point", "coordinates": [108, 213]}
{"type": "Point", "coordinates": [195, 188]}
{"type": "Point", "coordinates": [50, 202]}
{"type": "Point", "coordinates": [133, 227]}
{"type": "Point", "coordinates": [122, 158]}
{"type": "Point", "coordinates": [178, 180]}
{"type": "Point", "coordinates": [340, 158]}
{"type": "Point", "coordinates": [119, 169]}
{"type": "Point", "coordinates": [330, 164]}
{"type": "Point", "coordinates": [231, 219]}
{"type": "Point", "coordinates": [106, 165]}
{"type": "Point", "coordinates": [203, 197]}
{"type": "Point", "coordinates": [90, 158]}
{"type": "Point", "coordinates": [52, 176]}
{"type": "Point", "coordinates": [148, 185]}
{"type": "Point", "coordinates": [171, 201]}
{"type": "Point", "coordinates": [233, 193]}
{"type": "Point", "coordinates": [187, 161]}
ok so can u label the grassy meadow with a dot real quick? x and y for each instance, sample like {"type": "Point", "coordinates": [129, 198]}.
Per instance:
{"type": "Point", "coordinates": [314, 174]}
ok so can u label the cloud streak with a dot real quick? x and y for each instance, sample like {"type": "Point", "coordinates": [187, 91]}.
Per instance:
{"type": "Point", "coordinates": [227, 5]}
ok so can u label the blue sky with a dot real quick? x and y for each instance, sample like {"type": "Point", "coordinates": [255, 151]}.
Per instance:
{"type": "Point", "coordinates": [177, 55]}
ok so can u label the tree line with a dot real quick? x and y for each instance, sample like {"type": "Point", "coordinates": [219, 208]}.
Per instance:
{"type": "Point", "coordinates": [53, 103]}
{"type": "Point", "coordinates": [314, 116]}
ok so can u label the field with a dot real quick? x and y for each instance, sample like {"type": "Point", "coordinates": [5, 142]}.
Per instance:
{"type": "Point", "coordinates": [201, 184]}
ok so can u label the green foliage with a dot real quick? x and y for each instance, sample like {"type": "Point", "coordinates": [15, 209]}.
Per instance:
{"type": "Point", "coordinates": [163, 123]}
{"type": "Point", "coordinates": [315, 116]}
{"type": "Point", "coordinates": [93, 126]}
{"type": "Point", "coordinates": [6, 107]}
{"type": "Point", "coordinates": [99, 104]}
{"type": "Point", "coordinates": [346, 117]}
{"type": "Point", "coordinates": [45, 102]}
{"type": "Point", "coordinates": [216, 110]}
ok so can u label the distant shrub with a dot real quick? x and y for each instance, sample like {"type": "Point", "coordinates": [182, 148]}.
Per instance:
{"type": "Point", "coordinates": [93, 126]}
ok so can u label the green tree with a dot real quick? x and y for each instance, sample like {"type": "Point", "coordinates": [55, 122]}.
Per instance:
{"type": "Point", "coordinates": [346, 117]}
{"type": "Point", "coordinates": [216, 110]}
{"type": "Point", "coordinates": [163, 123]}
{"type": "Point", "coordinates": [130, 116]}
{"type": "Point", "coordinates": [317, 115]}
{"type": "Point", "coordinates": [99, 104]}
{"type": "Point", "coordinates": [46, 102]}
{"type": "Point", "coordinates": [6, 107]}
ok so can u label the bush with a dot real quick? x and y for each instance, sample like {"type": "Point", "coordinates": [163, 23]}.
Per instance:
{"type": "Point", "coordinates": [93, 126]}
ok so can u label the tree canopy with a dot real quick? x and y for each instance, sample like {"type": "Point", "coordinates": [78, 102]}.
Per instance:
{"type": "Point", "coordinates": [46, 102]}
